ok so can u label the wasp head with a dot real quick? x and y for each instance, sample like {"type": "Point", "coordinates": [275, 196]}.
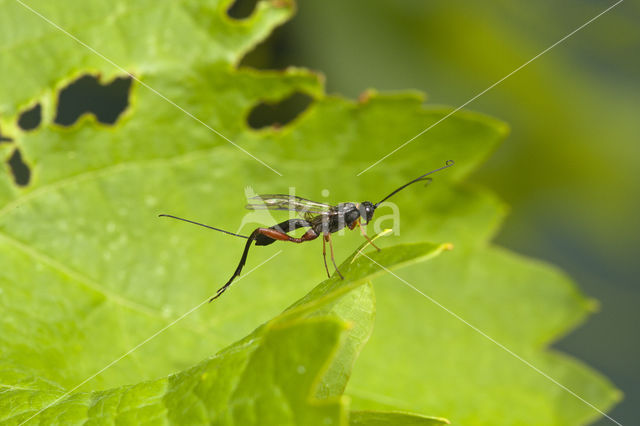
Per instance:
{"type": "Point", "coordinates": [366, 210]}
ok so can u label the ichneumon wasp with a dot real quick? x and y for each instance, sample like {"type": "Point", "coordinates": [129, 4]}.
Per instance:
{"type": "Point", "coordinates": [321, 219]}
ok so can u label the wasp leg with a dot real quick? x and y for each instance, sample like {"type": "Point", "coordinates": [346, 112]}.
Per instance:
{"type": "Point", "coordinates": [286, 227]}
{"type": "Point", "coordinates": [324, 253]}
{"type": "Point", "coordinates": [328, 237]}
{"type": "Point", "coordinates": [270, 233]}
{"type": "Point", "coordinates": [364, 234]}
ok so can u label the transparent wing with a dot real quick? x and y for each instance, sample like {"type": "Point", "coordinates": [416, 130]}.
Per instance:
{"type": "Point", "coordinates": [289, 203]}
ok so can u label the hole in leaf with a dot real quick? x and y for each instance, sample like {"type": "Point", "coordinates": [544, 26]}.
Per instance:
{"type": "Point", "coordinates": [30, 119]}
{"type": "Point", "coordinates": [21, 172]}
{"type": "Point", "coordinates": [241, 9]}
{"type": "Point", "coordinates": [277, 52]}
{"type": "Point", "coordinates": [88, 95]}
{"type": "Point", "coordinates": [278, 114]}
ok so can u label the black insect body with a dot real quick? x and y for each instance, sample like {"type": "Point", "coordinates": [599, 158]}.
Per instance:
{"type": "Point", "coordinates": [321, 219]}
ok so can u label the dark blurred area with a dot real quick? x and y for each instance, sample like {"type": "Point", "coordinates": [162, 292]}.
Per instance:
{"type": "Point", "coordinates": [87, 94]}
{"type": "Point", "coordinates": [279, 113]}
{"type": "Point", "coordinates": [568, 170]}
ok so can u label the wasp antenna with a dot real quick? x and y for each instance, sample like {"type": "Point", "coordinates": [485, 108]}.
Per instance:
{"type": "Point", "coordinates": [202, 224]}
{"type": "Point", "coordinates": [424, 177]}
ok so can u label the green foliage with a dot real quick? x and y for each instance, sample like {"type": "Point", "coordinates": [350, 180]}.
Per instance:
{"type": "Point", "coordinates": [88, 271]}
{"type": "Point", "coordinates": [371, 418]}
{"type": "Point", "coordinates": [292, 370]}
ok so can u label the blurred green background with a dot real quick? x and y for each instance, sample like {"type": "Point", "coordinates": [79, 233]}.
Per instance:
{"type": "Point", "coordinates": [569, 167]}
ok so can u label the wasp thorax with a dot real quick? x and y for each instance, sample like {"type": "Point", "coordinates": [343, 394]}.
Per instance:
{"type": "Point", "coordinates": [351, 213]}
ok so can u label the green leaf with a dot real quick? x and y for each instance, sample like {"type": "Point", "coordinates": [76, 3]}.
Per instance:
{"type": "Point", "coordinates": [291, 370]}
{"type": "Point", "coordinates": [264, 382]}
{"type": "Point", "coordinates": [380, 418]}
{"type": "Point", "coordinates": [519, 305]}
{"type": "Point", "coordinates": [88, 271]}
{"type": "Point", "coordinates": [83, 241]}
